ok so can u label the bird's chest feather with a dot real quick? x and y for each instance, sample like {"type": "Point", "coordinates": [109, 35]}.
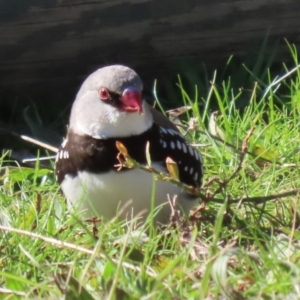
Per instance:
{"type": "Point", "coordinates": [110, 192]}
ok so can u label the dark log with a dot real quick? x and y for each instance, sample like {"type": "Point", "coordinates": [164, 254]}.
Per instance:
{"type": "Point", "coordinates": [47, 47]}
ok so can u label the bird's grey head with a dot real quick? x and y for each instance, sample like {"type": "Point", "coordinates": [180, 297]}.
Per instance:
{"type": "Point", "coordinates": [109, 104]}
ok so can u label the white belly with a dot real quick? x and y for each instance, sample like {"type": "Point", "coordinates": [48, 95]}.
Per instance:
{"type": "Point", "coordinates": [106, 194]}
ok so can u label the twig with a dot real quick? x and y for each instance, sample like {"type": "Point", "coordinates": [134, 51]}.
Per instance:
{"type": "Point", "coordinates": [13, 292]}
{"type": "Point", "coordinates": [210, 181]}
{"type": "Point", "coordinates": [26, 160]}
{"type": "Point", "coordinates": [255, 200]}
{"type": "Point", "coordinates": [126, 161]}
{"type": "Point", "coordinates": [259, 200]}
{"type": "Point", "coordinates": [67, 245]}
{"type": "Point", "coordinates": [224, 183]}
{"type": "Point", "coordinates": [30, 140]}
{"type": "Point", "coordinates": [38, 143]}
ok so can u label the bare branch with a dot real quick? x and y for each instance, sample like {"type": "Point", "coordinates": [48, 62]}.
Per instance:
{"type": "Point", "coordinates": [39, 143]}
{"type": "Point", "coordinates": [67, 245]}
{"type": "Point", "coordinates": [223, 184]}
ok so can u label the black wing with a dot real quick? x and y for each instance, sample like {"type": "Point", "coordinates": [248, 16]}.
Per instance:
{"type": "Point", "coordinates": [188, 159]}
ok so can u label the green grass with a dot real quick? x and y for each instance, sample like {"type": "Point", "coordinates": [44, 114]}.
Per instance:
{"type": "Point", "coordinates": [239, 245]}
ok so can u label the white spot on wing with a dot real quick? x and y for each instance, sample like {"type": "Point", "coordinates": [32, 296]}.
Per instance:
{"type": "Point", "coordinates": [191, 170]}
{"type": "Point", "coordinates": [196, 154]}
{"type": "Point", "coordinates": [196, 176]}
{"type": "Point", "coordinates": [162, 129]}
{"type": "Point", "coordinates": [184, 148]}
{"type": "Point", "coordinates": [172, 145]}
{"type": "Point", "coordinates": [191, 149]}
{"type": "Point", "coordinates": [171, 131]}
{"type": "Point", "coordinates": [178, 145]}
{"type": "Point", "coordinates": [164, 145]}
{"type": "Point", "coordinates": [63, 145]}
{"type": "Point", "coordinates": [185, 168]}
{"type": "Point", "coordinates": [66, 154]}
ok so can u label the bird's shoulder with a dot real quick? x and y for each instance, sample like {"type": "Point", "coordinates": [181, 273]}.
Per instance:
{"type": "Point", "coordinates": [84, 153]}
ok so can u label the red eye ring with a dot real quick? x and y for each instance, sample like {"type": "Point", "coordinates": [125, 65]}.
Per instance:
{"type": "Point", "coordinates": [103, 93]}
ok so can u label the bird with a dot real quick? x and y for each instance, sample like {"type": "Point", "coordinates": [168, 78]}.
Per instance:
{"type": "Point", "coordinates": [109, 108]}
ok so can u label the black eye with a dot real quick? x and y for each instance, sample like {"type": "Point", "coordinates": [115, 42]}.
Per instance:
{"type": "Point", "coordinates": [104, 94]}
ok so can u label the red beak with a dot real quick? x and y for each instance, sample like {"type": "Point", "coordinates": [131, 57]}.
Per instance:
{"type": "Point", "coordinates": [132, 100]}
